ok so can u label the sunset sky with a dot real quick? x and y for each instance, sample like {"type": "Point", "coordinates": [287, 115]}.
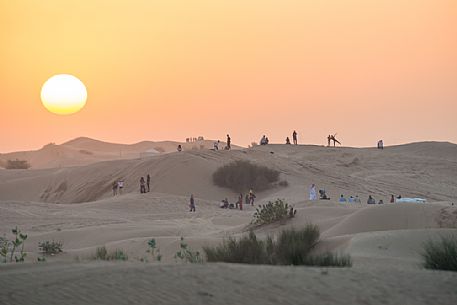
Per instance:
{"type": "Point", "coordinates": [167, 70]}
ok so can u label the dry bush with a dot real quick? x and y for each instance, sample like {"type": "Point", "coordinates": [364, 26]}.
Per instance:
{"type": "Point", "coordinates": [292, 247]}
{"type": "Point", "coordinates": [17, 164]}
{"type": "Point", "coordinates": [441, 255]}
{"type": "Point", "coordinates": [241, 176]}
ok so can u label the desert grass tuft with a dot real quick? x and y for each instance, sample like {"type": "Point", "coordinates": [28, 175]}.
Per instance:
{"type": "Point", "coordinates": [440, 255]}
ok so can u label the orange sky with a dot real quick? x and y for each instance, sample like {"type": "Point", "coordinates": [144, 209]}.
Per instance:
{"type": "Point", "coordinates": [157, 70]}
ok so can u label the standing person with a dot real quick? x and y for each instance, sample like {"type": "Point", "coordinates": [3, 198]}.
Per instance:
{"type": "Point", "coordinates": [294, 137]}
{"type": "Point", "coordinates": [392, 199]}
{"type": "Point", "coordinates": [328, 140]}
{"type": "Point", "coordinates": [192, 203]}
{"type": "Point", "coordinates": [229, 142]}
{"type": "Point", "coordinates": [120, 185]}
{"type": "Point", "coordinates": [239, 203]}
{"type": "Point", "coordinates": [251, 197]}
{"type": "Point", "coordinates": [216, 145]}
{"type": "Point", "coordinates": [312, 192]}
{"type": "Point", "coordinates": [247, 198]}
{"type": "Point", "coordinates": [142, 186]}
{"type": "Point", "coordinates": [114, 188]}
{"type": "Point", "coordinates": [148, 182]}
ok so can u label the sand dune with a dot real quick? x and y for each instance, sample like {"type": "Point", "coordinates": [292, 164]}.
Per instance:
{"type": "Point", "coordinates": [84, 151]}
{"type": "Point", "coordinates": [384, 240]}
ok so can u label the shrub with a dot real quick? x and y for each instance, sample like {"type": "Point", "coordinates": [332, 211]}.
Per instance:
{"type": "Point", "coordinates": [118, 255]}
{"type": "Point", "coordinates": [154, 250]}
{"type": "Point", "coordinates": [9, 248]}
{"type": "Point", "coordinates": [102, 254]}
{"type": "Point", "coordinates": [17, 164]}
{"type": "Point", "coordinates": [271, 212]}
{"type": "Point", "coordinates": [328, 259]}
{"type": "Point", "coordinates": [186, 255]}
{"type": "Point", "coordinates": [50, 247]}
{"type": "Point", "coordinates": [441, 255]}
{"type": "Point", "coordinates": [246, 250]}
{"type": "Point", "coordinates": [292, 247]}
{"type": "Point", "coordinates": [241, 176]}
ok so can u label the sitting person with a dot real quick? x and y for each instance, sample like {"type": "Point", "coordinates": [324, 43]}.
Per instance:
{"type": "Point", "coordinates": [323, 195]}
{"type": "Point", "coordinates": [288, 141]}
{"type": "Point", "coordinates": [371, 200]}
{"type": "Point", "coordinates": [357, 199]}
{"type": "Point", "coordinates": [380, 201]}
{"type": "Point", "coordinates": [292, 212]}
{"type": "Point", "coordinates": [342, 199]}
{"type": "Point", "coordinates": [263, 140]}
{"type": "Point", "coordinates": [224, 204]}
{"type": "Point", "coordinates": [351, 199]}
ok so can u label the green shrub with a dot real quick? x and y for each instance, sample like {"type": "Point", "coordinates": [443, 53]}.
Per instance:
{"type": "Point", "coordinates": [154, 250]}
{"type": "Point", "coordinates": [246, 250]}
{"type": "Point", "coordinates": [187, 255]}
{"type": "Point", "coordinates": [13, 248]}
{"type": "Point", "coordinates": [292, 247]}
{"type": "Point", "coordinates": [17, 164]}
{"type": "Point", "coordinates": [50, 247]}
{"type": "Point", "coordinates": [118, 255]}
{"type": "Point", "coordinates": [240, 176]}
{"type": "Point", "coordinates": [271, 212]}
{"type": "Point", "coordinates": [441, 255]}
{"type": "Point", "coordinates": [102, 254]}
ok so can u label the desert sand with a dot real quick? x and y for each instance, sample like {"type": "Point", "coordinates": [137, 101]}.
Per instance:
{"type": "Point", "coordinates": [75, 205]}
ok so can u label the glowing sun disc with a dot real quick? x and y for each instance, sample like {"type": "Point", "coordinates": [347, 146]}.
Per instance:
{"type": "Point", "coordinates": [63, 94]}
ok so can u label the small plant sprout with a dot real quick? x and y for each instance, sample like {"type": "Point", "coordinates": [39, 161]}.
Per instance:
{"type": "Point", "coordinates": [154, 250]}
{"type": "Point", "coordinates": [186, 255]}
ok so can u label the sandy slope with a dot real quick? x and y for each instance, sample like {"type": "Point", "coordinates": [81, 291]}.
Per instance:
{"type": "Point", "coordinates": [384, 241]}
{"type": "Point", "coordinates": [221, 284]}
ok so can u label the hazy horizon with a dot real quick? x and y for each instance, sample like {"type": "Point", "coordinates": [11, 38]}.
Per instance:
{"type": "Point", "coordinates": [367, 70]}
{"type": "Point", "coordinates": [223, 140]}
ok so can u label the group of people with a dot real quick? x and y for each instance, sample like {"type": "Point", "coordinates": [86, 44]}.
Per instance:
{"type": "Point", "coordinates": [332, 137]}
{"type": "Point", "coordinates": [145, 185]}
{"type": "Point", "coordinates": [118, 187]}
{"type": "Point", "coordinates": [264, 140]}
{"type": "Point", "coordinates": [343, 199]}
{"type": "Point", "coordinates": [248, 199]}
{"type": "Point", "coordinates": [350, 199]}
{"type": "Point", "coordinates": [294, 138]}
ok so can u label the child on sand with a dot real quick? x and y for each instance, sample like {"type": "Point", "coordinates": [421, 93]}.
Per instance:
{"type": "Point", "coordinates": [120, 185]}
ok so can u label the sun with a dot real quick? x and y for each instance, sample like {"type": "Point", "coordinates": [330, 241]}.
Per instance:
{"type": "Point", "coordinates": [63, 94]}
